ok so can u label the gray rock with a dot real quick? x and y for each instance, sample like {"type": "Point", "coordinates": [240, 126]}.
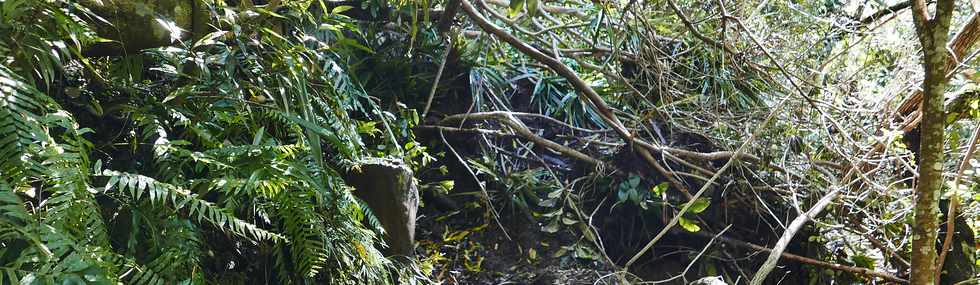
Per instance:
{"type": "Point", "coordinates": [388, 187]}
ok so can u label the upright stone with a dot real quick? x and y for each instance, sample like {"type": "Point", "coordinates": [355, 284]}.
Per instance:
{"type": "Point", "coordinates": [388, 188]}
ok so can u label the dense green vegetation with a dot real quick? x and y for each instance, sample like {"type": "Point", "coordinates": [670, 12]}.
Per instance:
{"type": "Point", "coordinates": [551, 142]}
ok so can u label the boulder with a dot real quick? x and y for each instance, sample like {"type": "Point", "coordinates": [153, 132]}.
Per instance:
{"type": "Point", "coordinates": [141, 24]}
{"type": "Point", "coordinates": [388, 187]}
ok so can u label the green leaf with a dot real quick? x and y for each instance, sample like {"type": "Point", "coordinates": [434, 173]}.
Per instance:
{"type": "Point", "coordinates": [551, 227]}
{"type": "Point", "coordinates": [634, 181]}
{"type": "Point", "coordinates": [622, 195]}
{"type": "Point", "coordinates": [341, 9]}
{"type": "Point", "coordinates": [568, 221]}
{"type": "Point", "coordinates": [258, 136]}
{"type": "Point", "coordinates": [210, 39]}
{"type": "Point", "coordinates": [689, 225]}
{"type": "Point", "coordinates": [270, 13]}
{"type": "Point", "coordinates": [585, 252]}
{"type": "Point", "coordinates": [659, 189]}
{"type": "Point", "coordinates": [354, 44]}
{"type": "Point", "coordinates": [515, 7]}
{"type": "Point", "coordinates": [532, 7]}
{"type": "Point", "coordinates": [863, 261]}
{"type": "Point", "coordinates": [699, 205]}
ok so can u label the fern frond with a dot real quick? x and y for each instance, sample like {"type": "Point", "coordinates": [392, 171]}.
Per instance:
{"type": "Point", "coordinates": [137, 186]}
{"type": "Point", "coordinates": [42, 252]}
{"type": "Point", "coordinates": [21, 107]}
{"type": "Point", "coordinates": [71, 205]}
{"type": "Point", "coordinates": [306, 233]}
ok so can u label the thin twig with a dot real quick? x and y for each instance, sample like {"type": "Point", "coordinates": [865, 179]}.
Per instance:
{"type": "Point", "coordinates": [954, 201]}
{"type": "Point", "coordinates": [691, 264]}
{"type": "Point", "coordinates": [435, 83]}
{"type": "Point", "coordinates": [486, 195]}
{"type": "Point", "coordinates": [522, 130]}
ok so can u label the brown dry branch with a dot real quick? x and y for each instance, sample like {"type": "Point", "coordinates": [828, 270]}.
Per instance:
{"type": "Point", "coordinates": [522, 130]}
{"type": "Point", "coordinates": [585, 91]}
{"type": "Point", "coordinates": [880, 14]}
{"type": "Point", "coordinates": [962, 42]}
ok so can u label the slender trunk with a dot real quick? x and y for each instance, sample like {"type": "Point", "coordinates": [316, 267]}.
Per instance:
{"type": "Point", "coordinates": [933, 34]}
{"type": "Point", "coordinates": [930, 172]}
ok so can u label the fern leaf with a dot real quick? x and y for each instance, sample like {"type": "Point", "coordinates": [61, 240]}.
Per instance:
{"type": "Point", "coordinates": [158, 192]}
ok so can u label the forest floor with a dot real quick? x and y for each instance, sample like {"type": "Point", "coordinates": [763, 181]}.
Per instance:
{"type": "Point", "coordinates": [468, 246]}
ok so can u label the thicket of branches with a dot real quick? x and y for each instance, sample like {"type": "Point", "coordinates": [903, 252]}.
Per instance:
{"type": "Point", "coordinates": [756, 137]}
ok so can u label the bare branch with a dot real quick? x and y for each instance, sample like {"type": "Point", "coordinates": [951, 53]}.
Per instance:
{"type": "Point", "coordinates": [880, 14]}
{"type": "Point", "coordinates": [798, 222]}
{"type": "Point", "coordinates": [515, 124]}
{"type": "Point", "coordinates": [802, 259]}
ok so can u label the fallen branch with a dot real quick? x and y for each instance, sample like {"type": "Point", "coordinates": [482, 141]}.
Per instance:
{"type": "Point", "coordinates": [802, 259]}
{"type": "Point", "coordinates": [476, 131]}
{"type": "Point", "coordinates": [962, 43]}
{"type": "Point", "coordinates": [585, 91]}
{"type": "Point", "coordinates": [788, 235]}
{"type": "Point", "coordinates": [717, 155]}
{"type": "Point", "coordinates": [510, 119]}
{"type": "Point", "coordinates": [515, 124]}
{"type": "Point", "coordinates": [880, 14]}
{"type": "Point", "coordinates": [556, 121]}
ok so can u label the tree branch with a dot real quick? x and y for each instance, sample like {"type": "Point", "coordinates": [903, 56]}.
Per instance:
{"type": "Point", "coordinates": [962, 43]}
{"type": "Point", "coordinates": [585, 91]}
{"type": "Point", "coordinates": [898, 7]}
{"type": "Point", "coordinates": [954, 201]}
{"type": "Point", "coordinates": [787, 236]}
{"type": "Point", "coordinates": [802, 259]}
{"type": "Point", "coordinates": [446, 20]}
{"type": "Point", "coordinates": [508, 119]}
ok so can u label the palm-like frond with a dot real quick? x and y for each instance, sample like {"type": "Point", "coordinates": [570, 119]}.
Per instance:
{"type": "Point", "coordinates": [137, 186]}
{"type": "Point", "coordinates": [20, 111]}
{"type": "Point", "coordinates": [258, 179]}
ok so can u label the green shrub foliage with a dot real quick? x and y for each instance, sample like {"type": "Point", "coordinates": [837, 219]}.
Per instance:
{"type": "Point", "coordinates": [213, 160]}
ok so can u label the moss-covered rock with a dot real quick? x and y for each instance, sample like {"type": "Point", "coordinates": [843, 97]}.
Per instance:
{"type": "Point", "coordinates": [140, 24]}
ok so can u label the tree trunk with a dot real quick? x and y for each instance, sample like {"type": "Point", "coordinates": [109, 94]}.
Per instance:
{"type": "Point", "coordinates": [930, 174]}
{"type": "Point", "coordinates": [933, 34]}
